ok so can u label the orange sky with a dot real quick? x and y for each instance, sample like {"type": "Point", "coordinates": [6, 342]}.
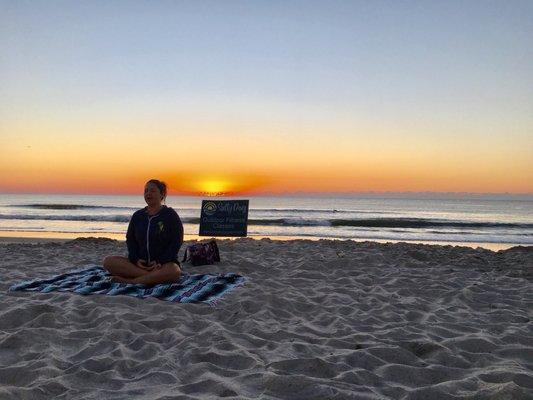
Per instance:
{"type": "Point", "coordinates": [114, 157]}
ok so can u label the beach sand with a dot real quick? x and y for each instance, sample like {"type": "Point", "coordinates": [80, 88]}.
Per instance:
{"type": "Point", "coordinates": [315, 320]}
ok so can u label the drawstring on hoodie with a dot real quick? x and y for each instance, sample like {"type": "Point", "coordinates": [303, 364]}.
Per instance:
{"type": "Point", "coordinates": [148, 236]}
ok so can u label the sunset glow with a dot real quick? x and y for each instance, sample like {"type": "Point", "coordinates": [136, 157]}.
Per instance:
{"type": "Point", "coordinates": [214, 187]}
{"type": "Point", "coordinates": [266, 99]}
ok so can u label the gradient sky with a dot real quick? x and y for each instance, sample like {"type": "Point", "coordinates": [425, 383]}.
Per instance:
{"type": "Point", "coordinates": [266, 96]}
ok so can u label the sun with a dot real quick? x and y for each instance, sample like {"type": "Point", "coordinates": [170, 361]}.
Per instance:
{"type": "Point", "coordinates": [214, 187]}
{"type": "Point", "coordinates": [199, 184]}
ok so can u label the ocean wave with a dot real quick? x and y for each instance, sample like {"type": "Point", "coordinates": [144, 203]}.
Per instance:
{"type": "Point", "coordinates": [392, 223]}
{"type": "Point", "coordinates": [60, 206]}
{"type": "Point", "coordinates": [404, 223]}
{"type": "Point", "coordinates": [80, 231]}
{"type": "Point", "coordinates": [96, 218]}
{"type": "Point", "coordinates": [317, 211]}
{"type": "Point", "coordinates": [68, 207]}
{"type": "Point", "coordinates": [424, 223]}
{"type": "Point", "coordinates": [413, 223]}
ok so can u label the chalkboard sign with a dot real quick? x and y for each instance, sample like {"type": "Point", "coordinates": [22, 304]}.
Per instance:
{"type": "Point", "coordinates": [224, 218]}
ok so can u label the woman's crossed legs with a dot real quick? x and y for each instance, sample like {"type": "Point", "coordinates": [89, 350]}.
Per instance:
{"type": "Point", "coordinates": [125, 272]}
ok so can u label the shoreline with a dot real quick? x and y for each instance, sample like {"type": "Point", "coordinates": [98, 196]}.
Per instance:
{"type": "Point", "coordinates": [40, 237]}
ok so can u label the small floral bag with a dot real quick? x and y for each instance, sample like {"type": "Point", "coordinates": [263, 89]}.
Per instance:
{"type": "Point", "coordinates": [202, 253]}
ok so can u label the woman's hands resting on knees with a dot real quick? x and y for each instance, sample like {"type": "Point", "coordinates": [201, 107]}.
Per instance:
{"type": "Point", "coordinates": [148, 267]}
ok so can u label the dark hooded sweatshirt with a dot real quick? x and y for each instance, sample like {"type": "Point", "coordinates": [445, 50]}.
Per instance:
{"type": "Point", "coordinates": [156, 237]}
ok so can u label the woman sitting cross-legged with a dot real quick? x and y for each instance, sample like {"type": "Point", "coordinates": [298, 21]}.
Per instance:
{"type": "Point", "coordinates": [154, 237]}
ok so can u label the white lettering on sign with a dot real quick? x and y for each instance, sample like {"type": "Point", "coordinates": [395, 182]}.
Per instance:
{"type": "Point", "coordinates": [222, 226]}
{"type": "Point", "coordinates": [213, 219]}
{"type": "Point", "coordinates": [232, 207]}
{"type": "Point", "coordinates": [236, 220]}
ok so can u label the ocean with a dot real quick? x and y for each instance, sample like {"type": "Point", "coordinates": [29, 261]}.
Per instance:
{"type": "Point", "coordinates": [487, 222]}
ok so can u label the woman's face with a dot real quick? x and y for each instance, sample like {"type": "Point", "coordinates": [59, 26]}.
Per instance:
{"type": "Point", "coordinates": [152, 195]}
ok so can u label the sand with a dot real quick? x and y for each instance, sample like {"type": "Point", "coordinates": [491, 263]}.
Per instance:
{"type": "Point", "coordinates": [315, 320]}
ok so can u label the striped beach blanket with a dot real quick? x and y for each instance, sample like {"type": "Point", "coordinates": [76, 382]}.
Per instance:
{"type": "Point", "coordinates": [191, 288]}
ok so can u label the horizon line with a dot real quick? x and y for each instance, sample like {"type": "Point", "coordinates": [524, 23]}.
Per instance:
{"type": "Point", "coordinates": [293, 193]}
